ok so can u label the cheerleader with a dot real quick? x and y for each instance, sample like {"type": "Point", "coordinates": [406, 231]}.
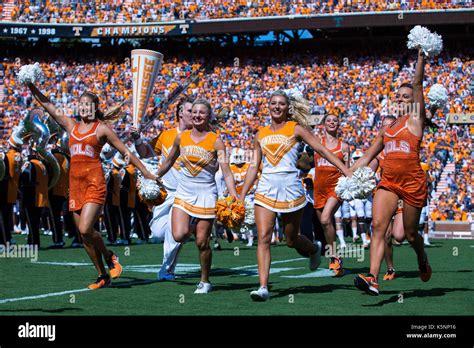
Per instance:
{"type": "Point", "coordinates": [326, 201]}
{"type": "Point", "coordinates": [87, 187]}
{"type": "Point", "coordinates": [395, 228]}
{"type": "Point", "coordinates": [280, 189]}
{"type": "Point", "coordinates": [200, 152]}
{"type": "Point", "coordinates": [402, 178]}
{"type": "Point", "coordinates": [160, 224]}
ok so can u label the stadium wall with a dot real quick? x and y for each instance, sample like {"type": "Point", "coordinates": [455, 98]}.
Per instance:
{"type": "Point", "coordinates": [239, 25]}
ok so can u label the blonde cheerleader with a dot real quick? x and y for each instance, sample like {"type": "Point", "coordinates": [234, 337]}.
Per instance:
{"type": "Point", "coordinates": [200, 152]}
{"type": "Point", "coordinates": [280, 189]}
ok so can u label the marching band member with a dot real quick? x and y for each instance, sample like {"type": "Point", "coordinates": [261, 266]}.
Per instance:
{"type": "Point", "coordinates": [9, 188]}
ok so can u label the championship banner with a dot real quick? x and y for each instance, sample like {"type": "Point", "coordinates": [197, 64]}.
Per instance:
{"type": "Point", "coordinates": [146, 65]}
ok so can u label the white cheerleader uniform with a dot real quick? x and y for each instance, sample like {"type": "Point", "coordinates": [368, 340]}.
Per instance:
{"type": "Point", "coordinates": [280, 189]}
{"type": "Point", "coordinates": [197, 190]}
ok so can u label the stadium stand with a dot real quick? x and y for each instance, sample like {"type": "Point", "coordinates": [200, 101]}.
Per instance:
{"type": "Point", "coordinates": [129, 11]}
{"type": "Point", "coordinates": [358, 89]}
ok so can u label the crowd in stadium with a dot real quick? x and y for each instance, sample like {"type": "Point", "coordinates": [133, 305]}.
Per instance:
{"type": "Point", "coordinates": [87, 11]}
{"type": "Point", "coordinates": [358, 88]}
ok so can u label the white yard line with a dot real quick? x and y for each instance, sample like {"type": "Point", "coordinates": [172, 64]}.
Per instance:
{"type": "Point", "coordinates": [52, 294]}
{"type": "Point", "coordinates": [36, 297]}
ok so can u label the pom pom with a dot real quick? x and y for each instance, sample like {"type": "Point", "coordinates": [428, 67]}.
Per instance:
{"type": "Point", "coordinates": [230, 212]}
{"type": "Point", "coordinates": [150, 192]}
{"type": "Point", "coordinates": [421, 37]}
{"type": "Point", "coordinates": [293, 93]}
{"type": "Point", "coordinates": [359, 186]}
{"type": "Point", "coordinates": [438, 96]}
{"type": "Point", "coordinates": [365, 180]}
{"type": "Point", "coordinates": [346, 188]}
{"type": "Point", "coordinates": [29, 73]}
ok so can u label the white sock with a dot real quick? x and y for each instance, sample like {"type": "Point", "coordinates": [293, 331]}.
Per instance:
{"type": "Point", "coordinates": [340, 236]}
{"type": "Point", "coordinates": [364, 237]}
{"type": "Point", "coordinates": [354, 231]}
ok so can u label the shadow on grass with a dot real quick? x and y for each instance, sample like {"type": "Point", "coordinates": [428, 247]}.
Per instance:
{"type": "Point", "coordinates": [436, 292]}
{"type": "Point", "coordinates": [59, 310]}
{"type": "Point", "coordinates": [312, 289]}
{"type": "Point", "coordinates": [132, 282]}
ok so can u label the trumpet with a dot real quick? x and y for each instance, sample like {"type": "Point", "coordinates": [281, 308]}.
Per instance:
{"type": "Point", "coordinates": [32, 125]}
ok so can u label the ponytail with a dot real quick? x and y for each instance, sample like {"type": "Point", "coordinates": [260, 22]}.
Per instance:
{"type": "Point", "coordinates": [299, 109]}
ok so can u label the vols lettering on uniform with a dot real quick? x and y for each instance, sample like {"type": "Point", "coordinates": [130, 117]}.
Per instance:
{"type": "Point", "coordinates": [82, 149]}
{"type": "Point", "coordinates": [197, 151]}
{"type": "Point", "coordinates": [322, 162]}
{"type": "Point", "coordinates": [396, 146]}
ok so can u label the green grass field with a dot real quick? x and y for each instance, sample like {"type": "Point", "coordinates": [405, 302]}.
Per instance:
{"type": "Point", "coordinates": [61, 276]}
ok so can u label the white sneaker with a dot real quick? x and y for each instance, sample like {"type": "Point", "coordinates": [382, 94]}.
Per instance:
{"type": "Point", "coordinates": [426, 240]}
{"type": "Point", "coordinates": [260, 295]}
{"type": "Point", "coordinates": [250, 240]}
{"type": "Point", "coordinates": [315, 259]}
{"type": "Point", "coordinates": [203, 288]}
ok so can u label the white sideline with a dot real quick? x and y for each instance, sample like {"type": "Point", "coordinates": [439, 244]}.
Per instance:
{"type": "Point", "coordinates": [52, 294]}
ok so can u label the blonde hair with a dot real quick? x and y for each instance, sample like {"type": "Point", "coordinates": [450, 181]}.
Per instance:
{"type": "Point", "coordinates": [202, 101]}
{"type": "Point", "coordinates": [299, 109]}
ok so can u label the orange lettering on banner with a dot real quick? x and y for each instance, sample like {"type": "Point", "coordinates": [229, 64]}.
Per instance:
{"type": "Point", "coordinates": [146, 80]}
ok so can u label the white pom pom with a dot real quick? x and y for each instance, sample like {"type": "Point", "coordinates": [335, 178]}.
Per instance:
{"type": "Point", "coordinates": [359, 186]}
{"type": "Point", "coordinates": [293, 92]}
{"type": "Point", "coordinates": [29, 73]}
{"type": "Point", "coordinates": [438, 96]}
{"type": "Point", "coordinates": [149, 189]}
{"type": "Point", "coordinates": [421, 37]}
{"type": "Point", "coordinates": [346, 188]}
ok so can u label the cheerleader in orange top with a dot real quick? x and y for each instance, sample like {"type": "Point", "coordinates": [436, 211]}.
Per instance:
{"type": "Point", "coordinates": [200, 151]}
{"type": "Point", "coordinates": [402, 178]}
{"type": "Point", "coordinates": [279, 189]}
{"type": "Point", "coordinates": [326, 201]}
{"type": "Point", "coordinates": [395, 229]}
{"type": "Point", "coordinates": [87, 188]}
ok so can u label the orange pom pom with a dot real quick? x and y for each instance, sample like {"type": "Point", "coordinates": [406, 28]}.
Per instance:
{"type": "Point", "coordinates": [230, 212]}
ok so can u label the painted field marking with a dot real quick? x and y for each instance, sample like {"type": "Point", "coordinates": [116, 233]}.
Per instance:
{"type": "Point", "coordinates": [36, 297]}
{"type": "Point", "coordinates": [146, 268]}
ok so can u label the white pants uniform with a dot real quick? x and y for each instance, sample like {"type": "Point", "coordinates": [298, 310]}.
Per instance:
{"type": "Point", "coordinates": [281, 192]}
{"type": "Point", "coordinates": [363, 208]}
{"type": "Point", "coordinates": [424, 215]}
{"type": "Point", "coordinates": [161, 229]}
{"type": "Point", "coordinates": [346, 210]}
